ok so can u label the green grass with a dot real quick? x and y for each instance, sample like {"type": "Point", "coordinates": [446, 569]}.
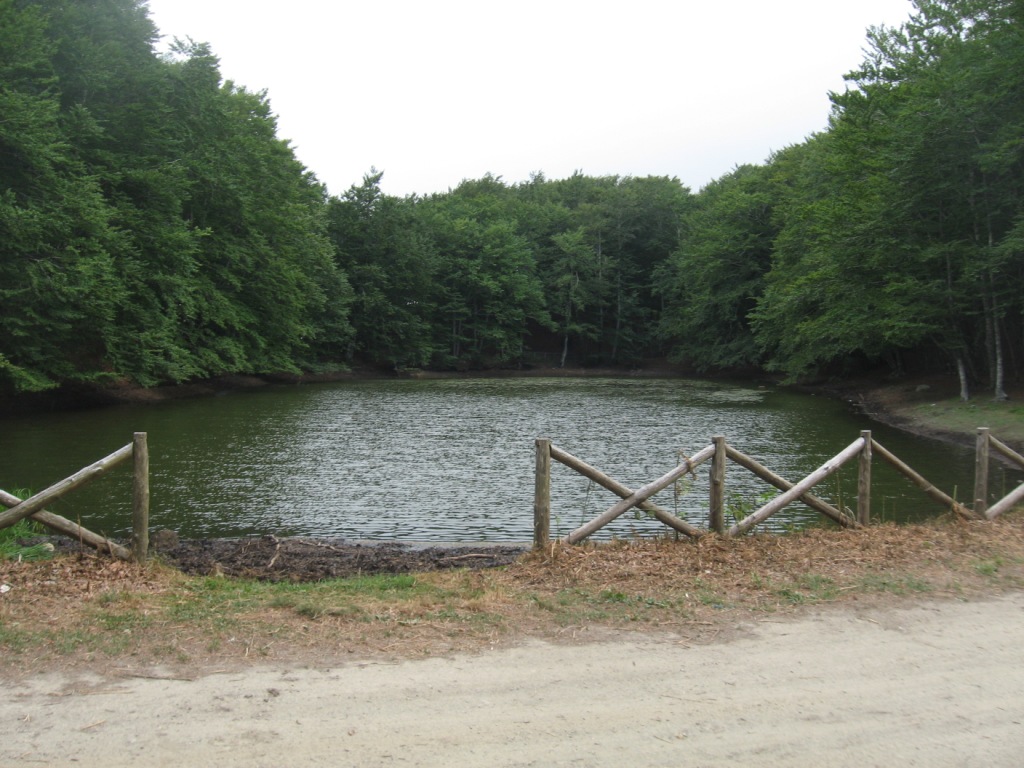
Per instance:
{"type": "Point", "coordinates": [1005, 419]}
{"type": "Point", "coordinates": [574, 606]}
{"type": "Point", "coordinates": [989, 567]}
{"type": "Point", "coordinates": [808, 588]}
{"type": "Point", "coordinates": [896, 585]}
{"type": "Point", "coordinates": [221, 601]}
{"type": "Point", "coordinates": [225, 612]}
{"type": "Point", "coordinates": [11, 547]}
{"type": "Point", "coordinates": [1005, 570]}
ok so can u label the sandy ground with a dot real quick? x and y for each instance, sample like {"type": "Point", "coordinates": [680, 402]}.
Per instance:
{"type": "Point", "coordinates": [930, 684]}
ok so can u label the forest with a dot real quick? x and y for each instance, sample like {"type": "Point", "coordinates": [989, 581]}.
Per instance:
{"type": "Point", "coordinates": [154, 229]}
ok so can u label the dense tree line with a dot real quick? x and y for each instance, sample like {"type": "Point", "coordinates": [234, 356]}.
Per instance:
{"type": "Point", "coordinates": [490, 274]}
{"type": "Point", "coordinates": [154, 228]}
{"type": "Point", "coordinates": [895, 237]}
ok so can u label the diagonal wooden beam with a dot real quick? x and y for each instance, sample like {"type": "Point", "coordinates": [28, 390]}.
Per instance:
{"type": "Point", "coordinates": [623, 492]}
{"type": "Point", "coordinates": [72, 530]}
{"type": "Point", "coordinates": [782, 484]}
{"type": "Point", "coordinates": [638, 496]}
{"type": "Point", "coordinates": [798, 490]}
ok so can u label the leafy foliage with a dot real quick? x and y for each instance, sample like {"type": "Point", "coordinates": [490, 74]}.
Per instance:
{"type": "Point", "coordinates": [154, 228]}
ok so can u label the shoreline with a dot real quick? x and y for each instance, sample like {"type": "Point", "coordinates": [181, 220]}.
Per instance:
{"type": "Point", "coordinates": [902, 404]}
{"type": "Point", "coordinates": [929, 407]}
{"type": "Point", "coordinates": [124, 393]}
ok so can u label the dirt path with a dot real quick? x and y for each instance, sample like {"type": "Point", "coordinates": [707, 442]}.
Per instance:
{"type": "Point", "coordinates": [937, 684]}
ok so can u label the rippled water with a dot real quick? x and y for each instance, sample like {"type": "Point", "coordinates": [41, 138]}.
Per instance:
{"type": "Point", "coordinates": [442, 460]}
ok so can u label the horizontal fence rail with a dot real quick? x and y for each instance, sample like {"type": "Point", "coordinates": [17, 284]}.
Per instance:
{"type": "Point", "coordinates": [864, 448]}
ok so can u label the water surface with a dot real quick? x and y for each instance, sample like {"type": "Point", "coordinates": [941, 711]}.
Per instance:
{"type": "Point", "coordinates": [452, 460]}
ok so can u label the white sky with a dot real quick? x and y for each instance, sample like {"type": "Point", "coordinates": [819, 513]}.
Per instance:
{"type": "Point", "coordinates": [432, 92]}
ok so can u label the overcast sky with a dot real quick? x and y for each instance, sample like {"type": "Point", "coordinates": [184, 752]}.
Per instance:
{"type": "Point", "coordinates": [435, 91]}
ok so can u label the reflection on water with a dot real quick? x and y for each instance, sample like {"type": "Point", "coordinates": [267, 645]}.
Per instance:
{"type": "Point", "coordinates": [437, 460]}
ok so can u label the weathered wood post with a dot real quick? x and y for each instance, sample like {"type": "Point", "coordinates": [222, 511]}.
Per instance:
{"type": "Point", "coordinates": [716, 517]}
{"type": "Point", "coordinates": [542, 494]}
{"type": "Point", "coordinates": [864, 481]}
{"type": "Point", "coordinates": [981, 451]}
{"type": "Point", "coordinates": [140, 497]}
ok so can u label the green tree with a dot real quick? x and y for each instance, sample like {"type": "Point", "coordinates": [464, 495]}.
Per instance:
{"type": "Point", "coordinates": [576, 281]}
{"type": "Point", "coordinates": [490, 290]}
{"type": "Point", "coordinates": [390, 258]}
{"type": "Point", "coordinates": [898, 234]}
{"type": "Point", "coordinates": [713, 280]}
{"type": "Point", "coordinates": [154, 226]}
{"type": "Point", "coordinates": [58, 286]}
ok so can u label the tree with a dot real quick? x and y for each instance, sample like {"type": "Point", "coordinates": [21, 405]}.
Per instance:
{"type": "Point", "coordinates": [490, 291]}
{"type": "Point", "coordinates": [391, 262]}
{"type": "Point", "coordinates": [895, 235]}
{"type": "Point", "coordinates": [714, 278]}
{"type": "Point", "coordinates": [155, 227]}
{"type": "Point", "coordinates": [576, 281]}
{"type": "Point", "coordinates": [58, 286]}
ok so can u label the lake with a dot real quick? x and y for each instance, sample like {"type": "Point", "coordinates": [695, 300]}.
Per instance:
{"type": "Point", "coordinates": [452, 459]}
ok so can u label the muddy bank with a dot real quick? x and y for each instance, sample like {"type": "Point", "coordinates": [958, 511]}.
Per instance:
{"type": "Point", "coordinates": [269, 558]}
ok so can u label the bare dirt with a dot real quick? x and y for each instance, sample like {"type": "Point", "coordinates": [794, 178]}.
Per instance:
{"type": "Point", "coordinates": [889, 646]}
{"type": "Point", "coordinates": [934, 684]}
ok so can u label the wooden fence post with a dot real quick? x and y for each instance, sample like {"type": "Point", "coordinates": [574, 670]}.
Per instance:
{"type": "Point", "coordinates": [981, 451]}
{"type": "Point", "coordinates": [542, 494]}
{"type": "Point", "coordinates": [716, 516]}
{"type": "Point", "coordinates": [140, 497]}
{"type": "Point", "coordinates": [864, 481]}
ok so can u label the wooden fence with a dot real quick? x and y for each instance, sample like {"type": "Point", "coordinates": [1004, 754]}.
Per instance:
{"type": "Point", "coordinates": [33, 507]}
{"type": "Point", "coordinates": [864, 449]}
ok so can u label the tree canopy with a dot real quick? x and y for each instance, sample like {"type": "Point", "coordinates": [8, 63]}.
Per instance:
{"type": "Point", "coordinates": [154, 228]}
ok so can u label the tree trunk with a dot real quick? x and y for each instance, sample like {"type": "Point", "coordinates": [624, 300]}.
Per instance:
{"type": "Point", "coordinates": [998, 374]}
{"type": "Point", "coordinates": [456, 347]}
{"type": "Point", "coordinates": [568, 322]}
{"type": "Point", "coordinates": [999, 393]}
{"type": "Point", "coordinates": [618, 318]}
{"type": "Point", "coordinates": [961, 372]}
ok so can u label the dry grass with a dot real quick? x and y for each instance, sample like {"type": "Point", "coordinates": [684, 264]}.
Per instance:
{"type": "Point", "coordinates": [88, 613]}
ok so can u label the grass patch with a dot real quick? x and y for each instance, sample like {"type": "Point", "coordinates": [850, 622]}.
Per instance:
{"type": "Point", "coordinates": [809, 588]}
{"type": "Point", "coordinates": [989, 567]}
{"type": "Point", "coordinates": [708, 595]}
{"type": "Point", "coordinates": [1005, 419]}
{"type": "Point", "coordinates": [12, 548]}
{"type": "Point", "coordinates": [896, 585]}
{"type": "Point", "coordinates": [581, 605]}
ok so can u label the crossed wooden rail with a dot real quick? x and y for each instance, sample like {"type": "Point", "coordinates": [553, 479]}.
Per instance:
{"type": "Point", "coordinates": [33, 507]}
{"type": "Point", "coordinates": [864, 448]}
